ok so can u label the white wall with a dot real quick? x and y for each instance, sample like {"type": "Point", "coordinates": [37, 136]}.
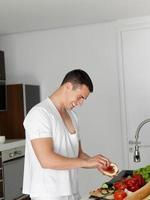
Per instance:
{"type": "Point", "coordinates": [135, 85]}
{"type": "Point", "coordinates": [44, 57]}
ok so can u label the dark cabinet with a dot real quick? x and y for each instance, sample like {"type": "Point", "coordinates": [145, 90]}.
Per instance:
{"type": "Point", "coordinates": [2, 95]}
{"type": "Point", "coordinates": [2, 66]}
{"type": "Point", "coordinates": [20, 99]}
{"type": "Point", "coordinates": [2, 82]}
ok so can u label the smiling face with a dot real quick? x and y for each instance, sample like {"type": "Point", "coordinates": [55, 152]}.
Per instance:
{"type": "Point", "coordinates": [75, 96]}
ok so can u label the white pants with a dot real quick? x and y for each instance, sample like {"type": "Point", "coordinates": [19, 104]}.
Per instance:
{"type": "Point", "coordinates": [71, 197]}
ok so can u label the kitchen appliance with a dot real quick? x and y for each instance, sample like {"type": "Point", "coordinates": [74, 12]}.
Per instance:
{"type": "Point", "coordinates": [2, 82]}
{"type": "Point", "coordinates": [12, 161]}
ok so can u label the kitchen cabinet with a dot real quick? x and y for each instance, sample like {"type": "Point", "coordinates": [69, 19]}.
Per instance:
{"type": "Point", "coordinates": [2, 66]}
{"type": "Point", "coordinates": [1, 179]}
{"type": "Point", "coordinates": [2, 82]}
{"type": "Point", "coordinates": [11, 170]}
{"type": "Point", "coordinates": [23, 197]}
{"type": "Point", "coordinates": [15, 112]}
{"type": "Point", "coordinates": [20, 99]}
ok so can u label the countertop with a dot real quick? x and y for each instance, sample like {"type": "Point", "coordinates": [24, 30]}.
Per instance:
{"type": "Point", "coordinates": [84, 198]}
{"type": "Point", "coordinates": [12, 143]}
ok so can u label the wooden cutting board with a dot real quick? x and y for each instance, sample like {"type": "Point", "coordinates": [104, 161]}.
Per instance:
{"type": "Point", "coordinates": [147, 198]}
{"type": "Point", "coordinates": [140, 194]}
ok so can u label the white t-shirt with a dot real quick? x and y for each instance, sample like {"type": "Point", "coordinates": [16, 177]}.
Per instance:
{"type": "Point", "coordinates": [42, 121]}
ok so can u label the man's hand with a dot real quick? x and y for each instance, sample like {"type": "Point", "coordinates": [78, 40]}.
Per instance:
{"type": "Point", "coordinates": [98, 161]}
{"type": "Point", "coordinates": [110, 170]}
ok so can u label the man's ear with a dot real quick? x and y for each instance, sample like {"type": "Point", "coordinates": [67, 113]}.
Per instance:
{"type": "Point", "coordinates": [69, 86]}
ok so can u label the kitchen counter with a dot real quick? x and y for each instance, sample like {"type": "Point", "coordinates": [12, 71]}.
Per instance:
{"type": "Point", "coordinates": [12, 143]}
{"type": "Point", "coordinates": [86, 198]}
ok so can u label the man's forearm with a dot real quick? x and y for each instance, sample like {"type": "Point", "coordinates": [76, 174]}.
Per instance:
{"type": "Point", "coordinates": [83, 155]}
{"type": "Point", "coordinates": [59, 162]}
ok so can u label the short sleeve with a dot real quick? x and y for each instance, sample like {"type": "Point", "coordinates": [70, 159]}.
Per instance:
{"type": "Point", "coordinates": [38, 124]}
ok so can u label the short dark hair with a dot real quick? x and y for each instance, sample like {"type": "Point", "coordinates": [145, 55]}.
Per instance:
{"type": "Point", "coordinates": [78, 77]}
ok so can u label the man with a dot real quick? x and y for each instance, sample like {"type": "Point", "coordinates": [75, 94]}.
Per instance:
{"type": "Point", "coordinates": [53, 147]}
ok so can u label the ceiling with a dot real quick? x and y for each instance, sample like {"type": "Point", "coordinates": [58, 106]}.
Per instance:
{"type": "Point", "coordinates": [30, 15]}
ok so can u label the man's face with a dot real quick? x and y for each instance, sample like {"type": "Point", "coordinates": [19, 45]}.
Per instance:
{"type": "Point", "coordinates": [77, 95]}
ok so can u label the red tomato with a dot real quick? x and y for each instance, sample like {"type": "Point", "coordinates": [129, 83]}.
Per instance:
{"type": "Point", "coordinates": [140, 179]}
{"type": "Point", "coordinates": [119, 185]}
{"type": "Point", "coordinates": [119, 195]}
{"type": "Point", "coordinates": [132, 184]}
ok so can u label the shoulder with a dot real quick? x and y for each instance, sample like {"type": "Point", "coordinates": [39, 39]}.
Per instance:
{"type": "Point", "coordinates": [39, 112]}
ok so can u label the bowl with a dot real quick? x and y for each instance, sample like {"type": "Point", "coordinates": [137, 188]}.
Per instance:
{"type": "Point", "coordinates": [2, 139]}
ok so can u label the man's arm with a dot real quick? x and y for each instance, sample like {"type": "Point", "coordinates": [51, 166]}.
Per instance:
{"type": "Point", "coordinates": [44, 152]}
{"type": "Point", "coordinates": [105, 162]}
{"type": "Point", "coordinates": [82, 154]}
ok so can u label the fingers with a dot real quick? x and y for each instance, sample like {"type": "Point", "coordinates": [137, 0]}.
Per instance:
{"type": "Point", "coordinates": [98, 161]}
{"type": "Point", "coordinates": [100, 170]}
{"type": "Point", "coordinates": [103, 161]}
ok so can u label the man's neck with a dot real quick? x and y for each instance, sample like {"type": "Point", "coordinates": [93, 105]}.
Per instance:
{"type": "Point", "coordinates": [58, 99]}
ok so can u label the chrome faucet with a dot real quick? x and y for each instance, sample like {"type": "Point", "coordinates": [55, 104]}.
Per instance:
{"type": "Point", "coordinates": [136, 151]}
